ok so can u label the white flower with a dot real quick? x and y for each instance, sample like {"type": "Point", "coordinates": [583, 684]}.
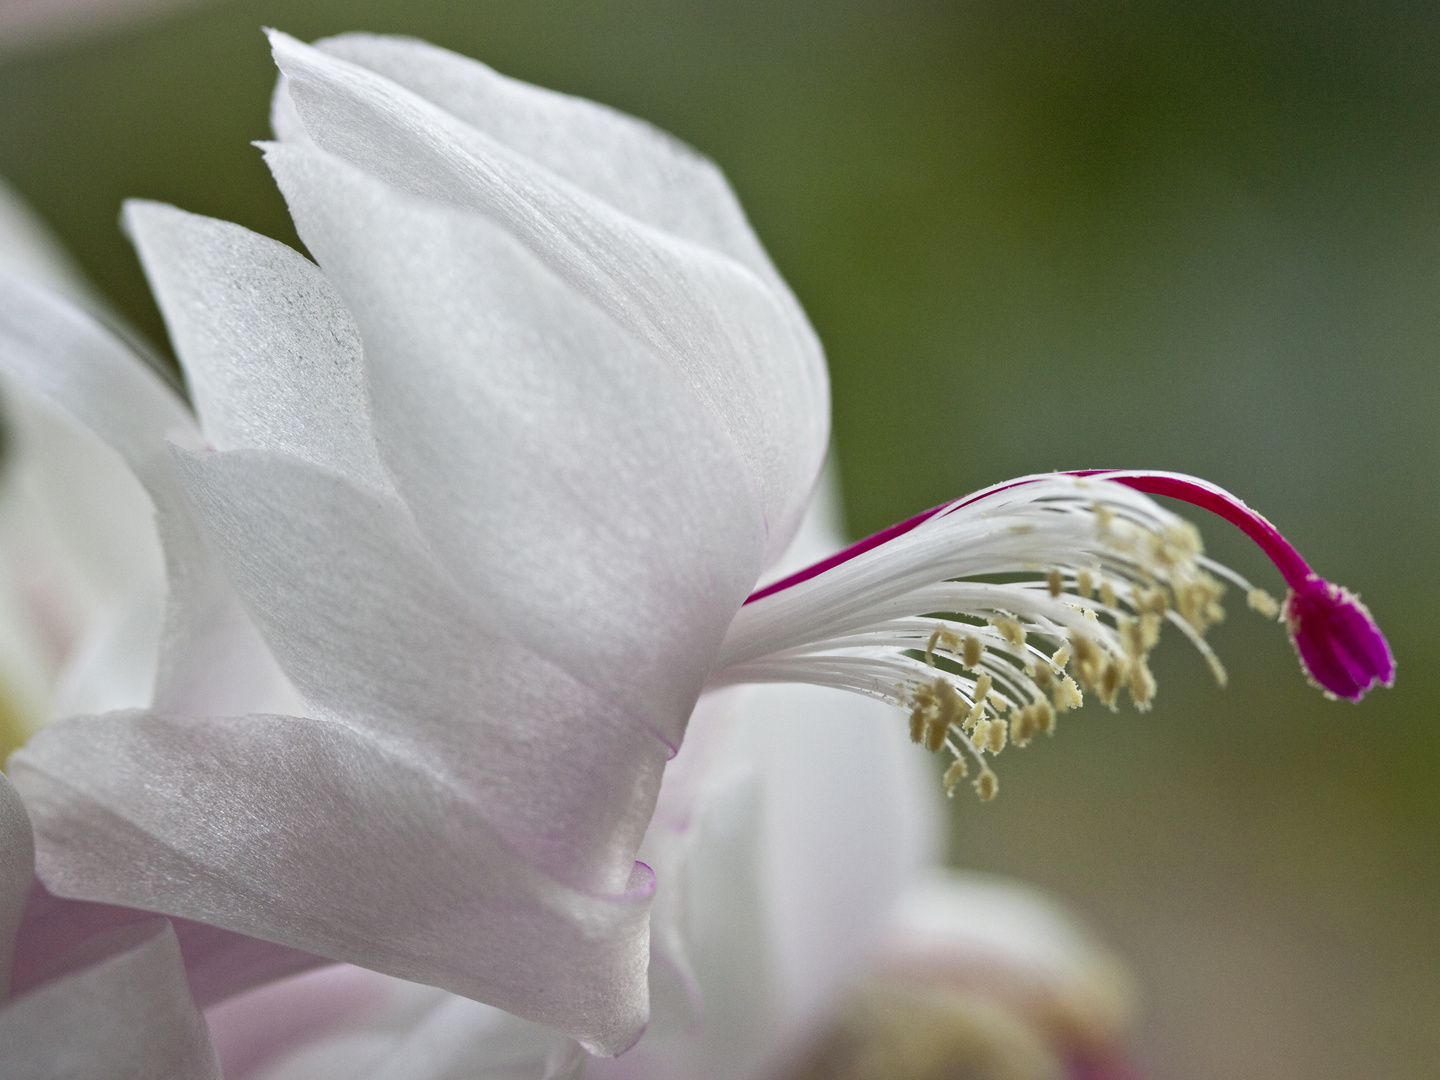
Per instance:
{"type": "Point", "coordinates": [469, 519]}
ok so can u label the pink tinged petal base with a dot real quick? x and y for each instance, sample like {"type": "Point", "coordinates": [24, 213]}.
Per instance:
{"type": "Point", "coordinates": [119, 1009]}
{"type": "Point", "coordinates": [252, 1030]}
{"type": "Point", "coordinates": [218, 963]}
{"type": "Point", "coordinates": [450, 904]}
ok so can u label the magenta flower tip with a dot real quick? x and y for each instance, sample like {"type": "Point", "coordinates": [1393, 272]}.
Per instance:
{"type": "Point", "coordinates": [1339, 644]}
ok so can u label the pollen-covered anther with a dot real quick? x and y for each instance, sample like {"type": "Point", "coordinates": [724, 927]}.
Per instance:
{"type": "Point", "coordinates": [1061, 658]}
{"type": "Point", "coordinates": [1010, 630]}
{"type": "Point", "coordinates": [983, 685]}
{"type": "Point", "coordinates": [972, 651]}
{"type": "Point", "coordinates": [1090, 660]}
{"type": "Point", "coordinates": [1180, 543]}
{"type": "Point", "coordinates": [1131, 637]}
{"type": "Point", "coordinates": [1153, 601]}
{"type": "Point", "coordinates": [1044, 677]}
{"type": "Point", "coordinates": [1261, 601]}
{"type": "Point", "coordinates": [957, 771]}
{"type": "Point", "coordinates": [1141, 683]}
{"type": "Point", "coordinates": [1114, 676]}
{"type": "Point", "coordinates": [977, 713]}
{"type": "Point", "coordinates": [1198, 601]}
{"type": "Point", "coordinates": [989, 735]}
{"type": "Point", "coordinates": [1022, 727]}
{"type": "Point", "coordinates": [980, 734]}
{"type": "Point", "coordinates": [936, 705]}
{"type": "Point", "coordinates": [987, 785]}
{"type": "Point", "coordinates": [1066, 695]}
{"type": "Point", "coordinates": [1085, 583]}
{"type": "Point", "coordinates": [1055, 581]}
{"type": "Point", "coordinates": [1107, 594]}
{"type": "Point", "coordinates": [1044, 717]}
{"type": "Point", "coordinates": [944, 639]}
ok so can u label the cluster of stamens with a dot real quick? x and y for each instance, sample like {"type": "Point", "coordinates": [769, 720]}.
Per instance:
{"type": "Point", "coordinates": [991, 685]}
{"type": "Point", "coordinates": [985, 617]}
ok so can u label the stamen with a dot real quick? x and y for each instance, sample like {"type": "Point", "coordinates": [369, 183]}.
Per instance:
{"type": "Point", "coordinates": [972, 651]}
{"type": "Point", "coordinates": [1066, 695]}
{"type": "Point", "coordinates": [954, 774]}
{"type": "Point", "coordinates": [987, 785]}
{"type": "Point", "coordinates": [1261, 601]}
{"type": "Point", "coordinates": [961, 615]}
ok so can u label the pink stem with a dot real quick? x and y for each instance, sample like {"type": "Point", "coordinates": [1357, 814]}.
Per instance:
{"type": "Point", "coordinates": [1217, 500]}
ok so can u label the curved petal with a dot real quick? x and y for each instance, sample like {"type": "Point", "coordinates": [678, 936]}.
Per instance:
{"type": "Point", "coordinates": [386, 644]}
{"type": "Point", "coordinates": [59, 351]}
{"type": "Point", "coordinates": [629, 164]}
{"type": "Point", "coordinates": [361, 854]}
{"type": "Point", "coordinates": [272, 358]}
{"type": "Point", "coordinates": [561, 472]}
{"type": "Point", "coordinates": [125, 1012]}
{"type": "Point", "coordinates": [741, 344]}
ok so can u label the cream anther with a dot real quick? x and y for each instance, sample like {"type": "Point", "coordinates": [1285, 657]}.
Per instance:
{"type": "Point", "coordinates": [971, 651]}
{"type": "Point", "coordinates": [1261, 601]}
{"type": "Point", "coordinates": [1055, 582]}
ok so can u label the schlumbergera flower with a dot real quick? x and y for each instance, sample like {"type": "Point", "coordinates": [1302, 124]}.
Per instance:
{"type": "Point", "coordinates": [473, 513]}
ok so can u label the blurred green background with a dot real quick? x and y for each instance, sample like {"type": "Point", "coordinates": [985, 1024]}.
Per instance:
{"type": "Point", "coordinates": [1032, 235]}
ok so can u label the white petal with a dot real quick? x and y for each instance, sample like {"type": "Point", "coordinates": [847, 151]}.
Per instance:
{"type": "Point", "coordinates": [17, 866]}
{"type": "Point", "coordinates": [272, 358]}
{"type": "Point", "coordinates": [359, 854]}
{"type": "Point", "coordinates": [777, 867]}
{"type": "Point", "coordinates": [79, 540]}
{"type": "Point", "coordinates": [743, 345]}
{"type": "Point", "coordinates": [58, 351]}
{"type": "Point", "coordinates": [786, 827]}
{"type": "Point", "coordinates": [853, 815]}
{"type": "Point", "coordinates": [382, 641]}
{"type": "Point", "coordinates": [564, 475]}
{"type": "Point", "coordinates": [718, 887]}
{"type": "Point", "coordinates": [636, 168]}
{"type": "Point", "coordinates": [211, 658]}
{"type": "Point", "coordinates": [127, 1013]}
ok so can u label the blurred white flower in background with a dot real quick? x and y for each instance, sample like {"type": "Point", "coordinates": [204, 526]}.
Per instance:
{"type": "Point", "coordinates": [27, 23]}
